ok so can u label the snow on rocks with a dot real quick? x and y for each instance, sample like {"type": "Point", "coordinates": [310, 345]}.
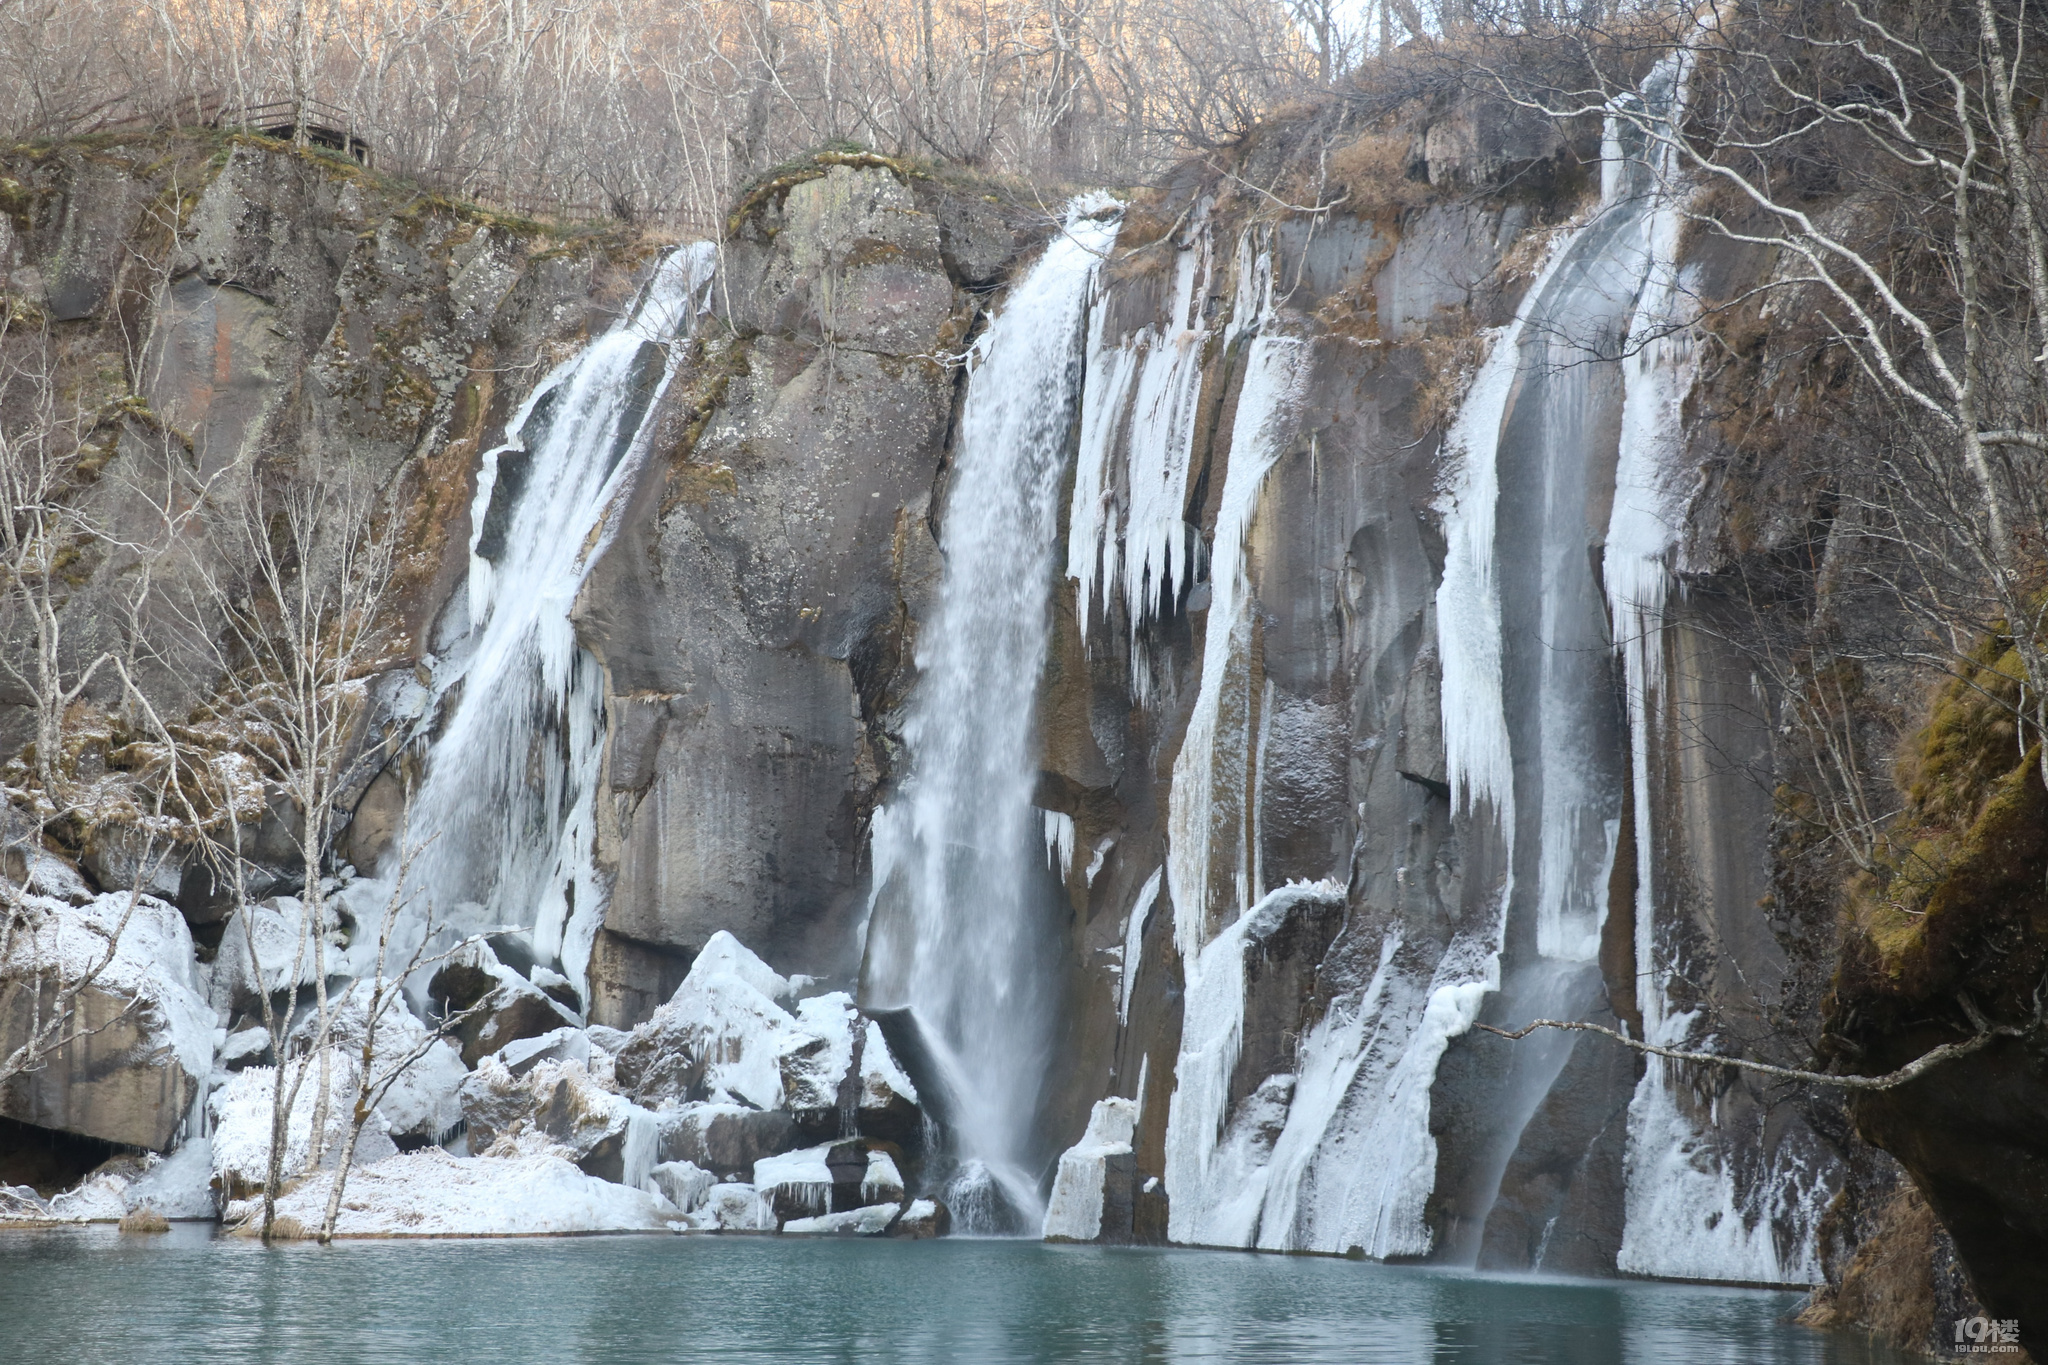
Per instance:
{"type": "Point", "coordinates": [278, 931]}
{"type": "Point", "coordinates": [730, 1036]}
{"type": "Point", "coordinates": [178, 1186]}
{"type": "Point", "coordinates": [721, 1036]}
{"type": "Point", "coordinates": [682, 1184]}
{"type": "Point", "coordinates": [429, 1193]}
{"type": "Point", "coordinates": [922, 1218]}
{"type": "Point", "coordinates": [883, 1183]}
{"type": "Point", "coordinates": [796, 1184]}
{"type": "Point", "coordinates": [731, 1207]}
{"type": "Point", "coordinates": [241, 1113]}
{"type": "Point", "coordinates": [145, 1035]}
{"type": "Point", "coordinates": [422, 1102]}
{"type": "Point", "coordinates": [603, 1133]}
{"type": "Point", "coordinates": [724, 1138]}
{"type": "Point", "coordinates": [812, 1075]}
{"type": "Point", "coordinates": [888, 1103]}
{"type": "Point", "coordinates": [870, 1221]}
{"type": "Point", "coordinates": [1084, 1190]}
{"type": "Point", "coordinates": [508, 1006]}
{"type": "Point", "coordinates": [170, 1187]}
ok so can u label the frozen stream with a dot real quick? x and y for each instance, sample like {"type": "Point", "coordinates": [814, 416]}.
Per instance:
{"type": "Point", "coordinates": [94, 1295]}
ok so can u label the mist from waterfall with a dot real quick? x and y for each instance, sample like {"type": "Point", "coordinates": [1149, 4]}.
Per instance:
{"type": "Point", "coordinates": [959, 931]}
{"type": "Point", "coordinates": [505, 810]}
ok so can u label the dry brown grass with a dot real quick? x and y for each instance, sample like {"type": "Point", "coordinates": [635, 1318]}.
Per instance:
{"type": "Point", "coordinates": [145, 1220]}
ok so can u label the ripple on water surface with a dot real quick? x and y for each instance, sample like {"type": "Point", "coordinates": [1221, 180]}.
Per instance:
{"type": "Point", "coordinates": [93, 1295]}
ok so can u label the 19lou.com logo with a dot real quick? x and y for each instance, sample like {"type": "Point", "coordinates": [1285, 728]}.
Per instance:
{"type": "Point", "coordinates": [1987, 1335]}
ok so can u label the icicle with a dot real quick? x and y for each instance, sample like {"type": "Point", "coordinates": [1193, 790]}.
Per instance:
{"type": "Point", "coordinates": [507, 848]}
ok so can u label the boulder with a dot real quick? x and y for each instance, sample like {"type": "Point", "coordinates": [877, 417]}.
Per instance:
{"type": "Point", "coordinates": [273, 929]}
{"type": "Point", "coordinates": [723, 1036]}
{"type": "Point", "coordinates": [923, 1218]}
{"type": "Point", "coordinates": [429, 1193]}
{"type": "Point", "coordinates": [141, 1037]}
{"type": "Point", "coordinates": [725, 1138]}
{"type": "Point", "coordinates": [731, 1207]}
{"type": "Point", "coordinates": [603, 1133]}
{"type": "Point", "coordinates": [423, 1101]}
{"type": "Point", "coordinates": [683, 1184]}
{"type": "Point", "coordinates": [1092, 1193]}
{"type": "Point", "coordinates": [887, 1106]}
{"type": "Point", "coordinates": [511, 1007]}
{"type": "Point", "coordinates": [882, 1183]}
{"type": "Point", "coordinates": [241, 1109]}
{"type": "Point", "coordinates": [796, 1184]}
{"type": "Point", "coordinates": [872, 1221]}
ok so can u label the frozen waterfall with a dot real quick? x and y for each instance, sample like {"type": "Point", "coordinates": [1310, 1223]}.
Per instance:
{"type": "Point", "coordinates": [505, 809]}
{"type": "Point", "coordinates": [957, 931]}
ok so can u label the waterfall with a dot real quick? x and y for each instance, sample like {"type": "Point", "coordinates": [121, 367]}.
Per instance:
{"type": "Point", "coordinates": [508, 794]}
{"type": "Point", "coordinates": [1685, 1216]}
{"type": "Point", "coordinates": [959, 930]}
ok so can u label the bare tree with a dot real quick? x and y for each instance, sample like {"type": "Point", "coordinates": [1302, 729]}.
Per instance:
{"type": "Point", "coordinates": [301, 570]}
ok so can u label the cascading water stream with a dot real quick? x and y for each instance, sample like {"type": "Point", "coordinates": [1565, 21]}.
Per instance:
{"type": "Point", "coordinates": [957, 930]}
{"type": "Point", "coordinates": [505, 810]}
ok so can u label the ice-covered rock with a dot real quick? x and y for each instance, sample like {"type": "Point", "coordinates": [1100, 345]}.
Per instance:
{"type": "Point", "coordinates": [1092, 1192]}
{"type": "Point", "coordinates": [141, 1037]}
{"type": "Point", "coordinates": [429, 1193]}
{"type": "Point", "coordinates": [923, 1218]}
{"type": "Point", "coordinates": [682, 1184]}
{"type": "Point", "coordinates": [179, 1185]}
{"type": "Point", "coordinates": [241, 1113]}
{"type": "Point", "coordinates": [883, 1183]}
{"type": "Point", "coordinates": [888, 1105]}
{"type": "Point", "coordinates": [423, 1100]}
{"type": "Point", "coordinates": [243, 1047]}
{"type": "Point", "coordinates": [871, 1221]}
{"type": "Point", "coordinates": [279, 933]}
{"type": "Point", "coordinates": [556, 1045]}
{"type": "Point", "coordinates": [508, 1006]}
{"type": "Point", "coordinates": [796, 1184]}
{"type": "Point", "coordinates": [724, 1138]}
{"type": "Point", "coordinates": [603, 1133]}
{"type": "Point", "coordinates": [812, 1076]}
{"type": "Point", "coordinates": [722, 1036]}
{"type": "Point", "coordinates": [731, 1207]}
{"type": "Point", "coordinates": [21, 1204]}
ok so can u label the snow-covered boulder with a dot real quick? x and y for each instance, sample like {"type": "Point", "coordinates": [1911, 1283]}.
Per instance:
{"type": "Point", "coordinates": [141, 1036]}
{"type": "Point", "coordinates": [813, 1076]}
{"type": "Point", "coordinates": [279, 931]}
{"type": "Point", "coordinates": [177, 1186]}
{"type": "Point", "coordinates": [871, 1221]}
{"type": "Point", "coordinates": [722, 1036]}
{"type": "Point", "coordinates": [883, 1183]}
{"type": "Point", "coordinates": [423, 1100]}
{"type": "Point", "coordinates": [429, 1193]}
{"type": "Point", "coordinates": [796, 1184]}
{"type": "Point", "coordinates": [602, 1132]}
{"type": "Point", "coordinates": [731, 1207]}
{"type": "Point", "coordinates": [725, 1138]}
{"type": "Point", "coordinates": [508, 1006]}
{"type": "Point", "coordinates": [1094, 1173]}
{"type": "Point", "coordinates": [174, 1186]}
{"type": "Point", "coordinates": [241, 1111]}
{"type": "Point", "coordinates": [682, 1184]}
{"type": "Point", "coordinates": [887, 1106]}
{"type": "Point", "coordinates": [922, 1218]}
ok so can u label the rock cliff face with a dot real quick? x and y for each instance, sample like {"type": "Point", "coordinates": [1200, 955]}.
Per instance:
{"type": "Point", "coordinates": [1291, 885]}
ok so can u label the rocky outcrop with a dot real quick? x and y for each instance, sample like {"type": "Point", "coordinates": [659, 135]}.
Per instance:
{"type": "Point", "coordinates": [757, 610]}
{"type": "Point", "coordinates": [134, 1040]}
